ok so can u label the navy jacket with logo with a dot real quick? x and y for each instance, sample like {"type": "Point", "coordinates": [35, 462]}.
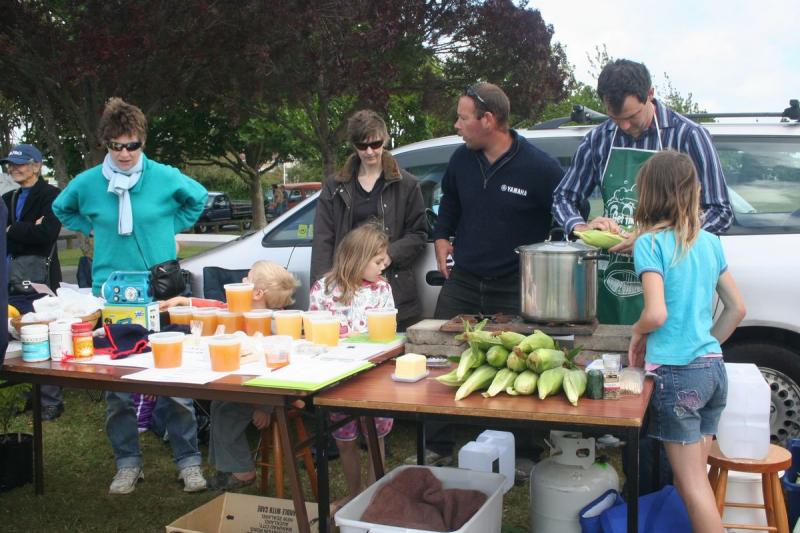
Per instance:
{"type": "Point", "coordinates": [492, 209]}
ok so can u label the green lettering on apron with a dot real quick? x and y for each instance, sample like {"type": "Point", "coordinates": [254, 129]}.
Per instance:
{"type": "Point", "coordinates": [619, 291]}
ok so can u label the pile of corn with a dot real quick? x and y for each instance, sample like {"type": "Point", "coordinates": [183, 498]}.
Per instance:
{"type": "Point", "coordinates": [515, 364]}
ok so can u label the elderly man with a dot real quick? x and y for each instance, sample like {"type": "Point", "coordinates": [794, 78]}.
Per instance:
{"type": "Point", "coordinates": [610, 156]}
{"type": "Point", "coordinates": [32, 229]}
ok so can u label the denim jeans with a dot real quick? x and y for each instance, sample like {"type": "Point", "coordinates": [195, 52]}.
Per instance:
{"type": "Point", "coordinates": [121, 428]}
{"type": "Point", "coordinates": [228, 449]}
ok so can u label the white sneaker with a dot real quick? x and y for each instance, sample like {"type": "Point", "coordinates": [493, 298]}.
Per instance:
{"type": "Point", "coordinates": [193, 480]}
{"type": "Point", "coordinates": [125, 480]}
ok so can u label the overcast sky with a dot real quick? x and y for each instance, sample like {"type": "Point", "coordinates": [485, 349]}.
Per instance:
{"type": "Point", "coordinates": [732, 55]}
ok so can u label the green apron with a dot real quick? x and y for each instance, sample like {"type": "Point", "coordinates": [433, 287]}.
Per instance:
{"type": "Point", "coordinates": [619, 291]}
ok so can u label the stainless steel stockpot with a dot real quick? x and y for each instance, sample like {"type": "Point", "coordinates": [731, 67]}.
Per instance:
{"type": "Point", "coordinates": [558, 281]}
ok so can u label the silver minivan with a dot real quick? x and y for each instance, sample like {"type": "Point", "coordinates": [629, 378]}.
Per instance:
{"type": "Point", "coordinates": [762, 166]}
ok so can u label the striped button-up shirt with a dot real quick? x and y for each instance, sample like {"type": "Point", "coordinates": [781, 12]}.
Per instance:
{"type": "Point", "coordinates": [677, 133]}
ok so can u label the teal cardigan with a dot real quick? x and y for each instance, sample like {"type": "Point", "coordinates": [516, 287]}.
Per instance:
{"type": "Point", "coordinates": [164, 202]}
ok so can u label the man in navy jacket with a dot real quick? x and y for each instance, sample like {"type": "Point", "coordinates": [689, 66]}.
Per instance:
{"type": "Point", "coordinates": [497, 195]}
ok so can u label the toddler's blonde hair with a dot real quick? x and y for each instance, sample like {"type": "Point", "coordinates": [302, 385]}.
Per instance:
{"type": "Point", "coordinates": [277, 283]}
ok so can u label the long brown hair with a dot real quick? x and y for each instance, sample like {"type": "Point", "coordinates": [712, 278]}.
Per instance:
{"type": "Point", "coordinates": [351, 258]}
{"type": "Point", "coordinates": [669, 198]}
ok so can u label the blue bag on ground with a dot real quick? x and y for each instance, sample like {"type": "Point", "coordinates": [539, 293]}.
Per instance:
{"type": "Point", "coordinates": [659, 512]}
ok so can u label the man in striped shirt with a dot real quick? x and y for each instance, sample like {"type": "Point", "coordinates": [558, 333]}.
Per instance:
{"type": "Point", "coordinates": [639, 121]}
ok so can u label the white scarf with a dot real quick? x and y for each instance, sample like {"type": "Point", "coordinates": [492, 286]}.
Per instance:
{"type": "Point", "coordinates": [119, 183]}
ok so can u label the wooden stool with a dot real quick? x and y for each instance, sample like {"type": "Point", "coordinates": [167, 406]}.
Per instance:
{"type": "Point", "coordinates": [776, 460]}
{"type": "Point", "coordinates": [270, 441]}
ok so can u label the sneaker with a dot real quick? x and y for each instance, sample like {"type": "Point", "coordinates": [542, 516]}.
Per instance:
{"type": "Point", "coordinates": [227, 481]}
{"type": "Point", "coordinates": [193, 480]}
{"type": "Point", "coordinates": [51, 412]}
{"type": "Point", "coordinates": [431, 459]}
{"type": "Point", "coordinates": [125, 480]}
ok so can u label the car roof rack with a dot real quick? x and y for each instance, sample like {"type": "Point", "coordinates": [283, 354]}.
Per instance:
{"type": "Point", "coordinates": [584, 115]}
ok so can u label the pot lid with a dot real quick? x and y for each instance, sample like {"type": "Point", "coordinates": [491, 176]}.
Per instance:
{"type": "Point", "coordinates": [557, 247]}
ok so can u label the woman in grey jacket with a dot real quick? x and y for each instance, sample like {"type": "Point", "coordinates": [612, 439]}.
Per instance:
{"type": "Point", "coordinates": [371, 186]}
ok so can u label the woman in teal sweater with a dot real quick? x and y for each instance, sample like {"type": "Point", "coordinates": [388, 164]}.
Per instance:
{"type": "Point", "coordinates": [135, 207]}
{"type": "Point", "coordinates": [131, 203]}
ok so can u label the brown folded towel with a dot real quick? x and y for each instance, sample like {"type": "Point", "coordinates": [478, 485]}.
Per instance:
{"type": "Point", "coordinates": [415, 499]}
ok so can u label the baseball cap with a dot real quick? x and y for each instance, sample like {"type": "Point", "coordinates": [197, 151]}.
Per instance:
{"type": "Point", "coordinates": [23, 153]}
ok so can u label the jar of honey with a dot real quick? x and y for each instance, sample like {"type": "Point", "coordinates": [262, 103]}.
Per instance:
{"type": "Point", "coordinates": [82, 341]}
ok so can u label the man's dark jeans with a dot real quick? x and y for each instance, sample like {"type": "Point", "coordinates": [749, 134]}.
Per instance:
{"type": "Point", "coordinates": [467, 294]}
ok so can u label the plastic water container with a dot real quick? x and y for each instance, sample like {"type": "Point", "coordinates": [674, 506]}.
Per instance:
{"type": "Point", "coordinates": [504, 440]}
{"type": "Point", "coordinates": [486, 520]}
{"type": "Point", "coordinates": [743, 431]}
{"type": "Point", "coordinates": [479, 456]}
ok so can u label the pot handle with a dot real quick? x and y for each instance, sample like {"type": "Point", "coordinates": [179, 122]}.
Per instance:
{"type": "Point", "coordinates": [552, 231]}
{"type": "Point", "coordinates": [594, 255]}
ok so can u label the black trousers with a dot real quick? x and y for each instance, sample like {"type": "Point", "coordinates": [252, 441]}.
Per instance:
{"type": "Point", "coordinates": [465, 293]}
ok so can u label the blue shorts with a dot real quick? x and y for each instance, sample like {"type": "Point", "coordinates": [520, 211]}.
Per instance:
{"type": "Point", "coordinates": [688, 400]}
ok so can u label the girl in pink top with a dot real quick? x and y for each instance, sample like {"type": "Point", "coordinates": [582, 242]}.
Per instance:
{"type": "Point", "coordinates": [348, 290]}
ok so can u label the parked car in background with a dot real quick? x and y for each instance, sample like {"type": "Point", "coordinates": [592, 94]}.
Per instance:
{"type": "Point", "coordinates": [219, 208]}
{"type": "Point", "coordinates": [295, 193]}
{"type": "Point", "coordinates": [761, 160]}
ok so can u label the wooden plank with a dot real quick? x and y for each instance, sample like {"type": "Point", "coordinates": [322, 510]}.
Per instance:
{"type": "Point", "coordinates": [374, 389]}
{"type": "Point", "coordinates": [501, 322]}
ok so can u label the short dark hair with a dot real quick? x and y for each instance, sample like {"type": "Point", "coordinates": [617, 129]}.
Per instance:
{"type": "Point", "coordinates": [489, 97]}
{"type": "Point", "coordinates": [365, 124]}
{"type": "Point", "coordinates": [121, 118]}
{"type": "Point", "coordinates": [622, 78]}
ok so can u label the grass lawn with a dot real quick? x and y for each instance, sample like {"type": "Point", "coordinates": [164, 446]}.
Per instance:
{"type": "Point", "coordinates": [79, 465]}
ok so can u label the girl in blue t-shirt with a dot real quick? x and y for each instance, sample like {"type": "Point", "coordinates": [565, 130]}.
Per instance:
{"type": "Point", "coordinates": [681, 266]}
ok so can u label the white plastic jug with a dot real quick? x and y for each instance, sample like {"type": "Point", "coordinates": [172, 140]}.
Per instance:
{"type": "Point", "coordinates": [504, 441]}
{"type": "Point", "coordinates": [743, 431]}
{"type": "Point", "coordinates": [480, 456]}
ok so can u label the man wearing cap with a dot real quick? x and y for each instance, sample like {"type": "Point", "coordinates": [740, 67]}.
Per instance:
{"type": "Point", "coordinates": [32, 229]}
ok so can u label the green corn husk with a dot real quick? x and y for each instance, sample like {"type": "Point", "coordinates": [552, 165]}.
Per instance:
{"type": "Point", "coordinates": [502, 380]}
{"type": "Point", "coordinates": [536, 340]}
{"type": "Point", "coordinates": [465, 364]}
{"type": "Point", "coordinates": [480, 379]}
{"type": "Point", "coordinates": [516, 360]}
{"type": "Point", "coordinates": [550, 382]}
{"type": "Point", "coordinates": [451, 380]}
{"type": "Point", "coordinates": [543, 359]}
{"type": "Point", "coordinates": [574, 385]}
{"type": "Point", "coordinates": [524, 385]}
{"type": "Point", "coordinates": [483, 339]}
{"type": "Point", "coordinates": [599, 238]}
{"type": "Point", "coordinates": [496, 356]}
{"type": "Point", "coordinates": [510, 339]}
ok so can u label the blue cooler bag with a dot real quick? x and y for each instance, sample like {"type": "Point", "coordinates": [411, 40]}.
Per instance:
{"type": "Point", "coordinates": [659, 512]}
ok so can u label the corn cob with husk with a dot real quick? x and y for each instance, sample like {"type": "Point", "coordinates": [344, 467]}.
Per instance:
{"type": "Point", "coordinates": [502, 380]}
{"type": "Point", "coordinates": [480, 379]}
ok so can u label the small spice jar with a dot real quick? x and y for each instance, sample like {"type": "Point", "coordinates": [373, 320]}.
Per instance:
{"type": "Point", "coordinates": [82, 342]}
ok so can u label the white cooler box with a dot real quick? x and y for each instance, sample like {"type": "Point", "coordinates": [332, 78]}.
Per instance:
{"type": "Point", "coordinates": [487, 520]}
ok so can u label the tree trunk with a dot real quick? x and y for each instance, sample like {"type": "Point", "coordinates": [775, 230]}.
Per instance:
{"type": "Point", "coordinates": [257, 199]}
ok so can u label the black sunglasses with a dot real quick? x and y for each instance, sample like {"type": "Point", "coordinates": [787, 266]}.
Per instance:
{"type": "Point", "coordinates": [117, 147]}
{"type": "Point", "coordinates": [470, 91]}
{"type": "Point", "coordinates": [363, 146]}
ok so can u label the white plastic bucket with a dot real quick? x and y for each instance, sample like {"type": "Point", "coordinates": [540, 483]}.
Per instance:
{"type": "Point", "coordinates": [486, 520]}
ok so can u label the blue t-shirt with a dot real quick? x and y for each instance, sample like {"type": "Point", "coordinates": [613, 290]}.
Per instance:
{"type": "Point", "coordinates": [689, 286]}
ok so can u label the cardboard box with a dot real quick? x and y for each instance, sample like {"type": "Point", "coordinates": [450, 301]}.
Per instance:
{"type": "Point", "coordinates": [145, 315]}
{"type": "Point", "coordinates": [243, 513]}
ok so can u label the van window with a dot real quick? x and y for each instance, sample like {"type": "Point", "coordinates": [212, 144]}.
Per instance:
{"type": "Point", "coordinates": [763, 176]}
{"type": "Point", "coordinates": [297, 230]}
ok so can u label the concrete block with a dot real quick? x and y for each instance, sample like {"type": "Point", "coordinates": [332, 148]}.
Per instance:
{"type": "Point", "coordinates": [435, 349]}
{"type": "Point", "coordinates": [427, 332]}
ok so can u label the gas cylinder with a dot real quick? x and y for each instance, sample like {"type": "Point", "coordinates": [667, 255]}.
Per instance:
{"type": "Point", "coordinates": [567, 481]}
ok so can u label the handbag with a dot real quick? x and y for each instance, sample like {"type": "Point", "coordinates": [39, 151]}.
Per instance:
{"type": "Point", "coordinates": [662, 511]}
{"type": "Point", "coordinates": [166, 278]}
{"type": "Point", "coordinates": [23, 270]}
